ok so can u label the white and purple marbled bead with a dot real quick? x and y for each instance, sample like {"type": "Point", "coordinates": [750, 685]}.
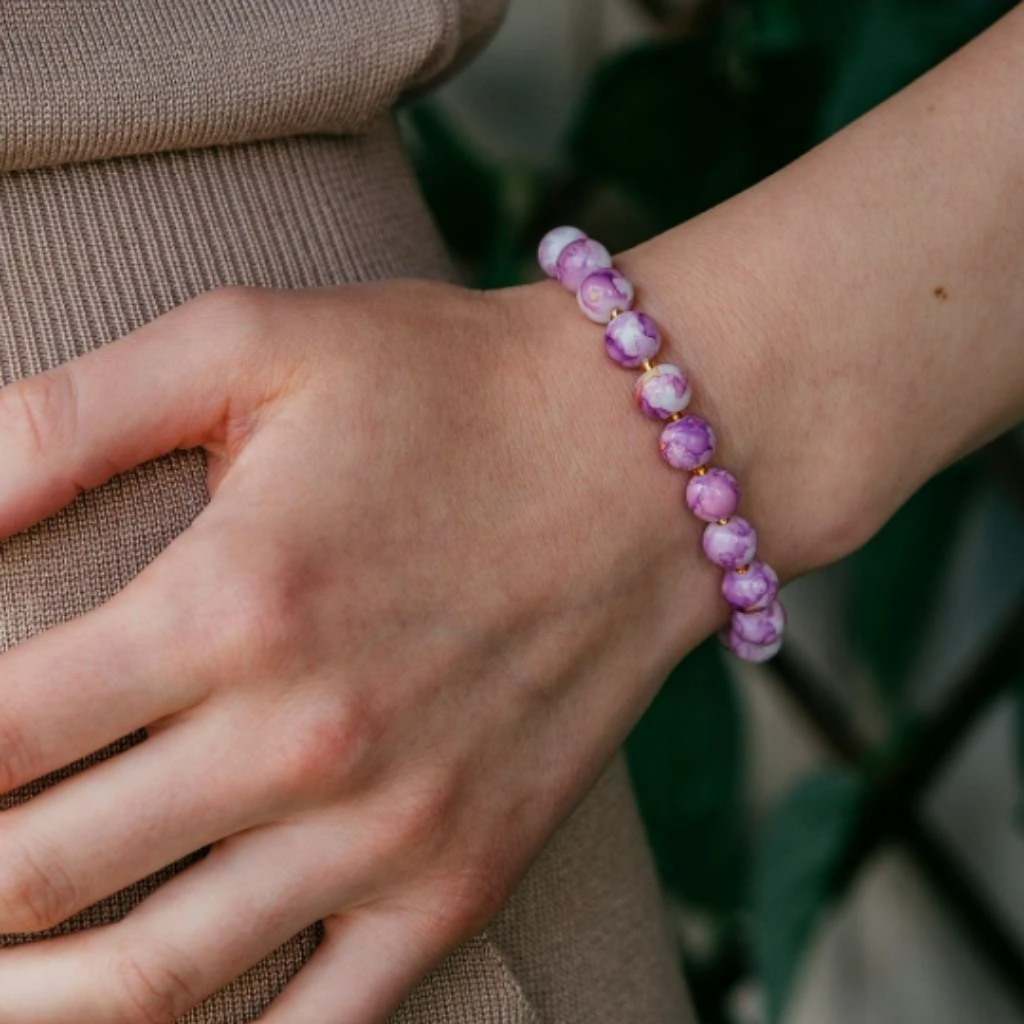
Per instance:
{"type": "Point", "coordinates": [687, 443]}
{"type": "Point", "coordinates": [748, 591]}
{"type": "Point", "coordinates": [730, 544]}
{"type": "Point", "coordinates": [551, 246]}
{"type": "Point", "coordinates": [579, 259]}
{"type": "Point", "coordinates": [761, 627]}
{"type": "Point", "coordinates": [663, 391]}
{"type": "Point", "coordinates": [601, 292]}
{"type": "Point", "coordinates": [752, 652]}
{"type": "Point", "coordinates": [632, 338]}
{"type": "Point", "coordinates": [713, 495]}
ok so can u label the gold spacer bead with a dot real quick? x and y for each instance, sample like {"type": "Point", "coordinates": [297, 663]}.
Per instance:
{"type": "Point", "coordinates": [741, 569]}
{"type": "Point", "coordinates": [699, 471]}
{"type": "Point", "coordinates": [647, 365]}
{"type": "Point", "coordinates": [723, 522]}
{"type": "Point", "coordinates": [675, 416]}
{"type": "Point", "coordinates": [614, 313]}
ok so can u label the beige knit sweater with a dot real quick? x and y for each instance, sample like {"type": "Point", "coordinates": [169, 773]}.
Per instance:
{"type": "Point", "coordinates": [92, 79]}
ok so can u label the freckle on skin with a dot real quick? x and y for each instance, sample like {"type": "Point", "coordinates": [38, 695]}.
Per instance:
{"type": "Point", "coordinates": [940, 293]}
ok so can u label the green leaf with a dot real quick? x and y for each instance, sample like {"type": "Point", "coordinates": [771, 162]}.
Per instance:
{"type": "Point", "coordinates": [895, 578]}
{"type": "Point", "coordinates": [775, 25]}
{"type": "Point", "coordinates": [885, 44]}
{"type": "Point", "coordinates": [666, 127]}
{"type": "Point", "coordinates": [828, 28]}
{"type": "Point", "coordinates": [465, 192]}
{"type": "Point", "coordinates": [707, 117]}
{"type": "Point", "coordinates": [1018, 741]}
{"type": "Point", "coordinates": [797, 867]}
{"type": "Point", "coordinates": [782, 108]}
{"type": "Point", "coordinates": [687, 762]}
{"type": "Point", "coordinates": [1020, 728]}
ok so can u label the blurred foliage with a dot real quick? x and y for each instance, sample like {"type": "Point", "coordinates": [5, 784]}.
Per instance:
{"type": "Point", "coordinates": [745, 89]}
{"type": "Point", "coordinates": [677, 84]}
{"type": "Point", "coordinates": [906, 562]}
{"type": "Point", "coordinates": [1018, 740]}
{"type": "Point", "coordinates": [687, 761]}
{"type": "Point", "coordinates": [801, 857]}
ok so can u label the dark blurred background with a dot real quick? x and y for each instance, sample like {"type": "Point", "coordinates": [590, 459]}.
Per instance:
{"type": "Point", "coordinates": [840, 833]}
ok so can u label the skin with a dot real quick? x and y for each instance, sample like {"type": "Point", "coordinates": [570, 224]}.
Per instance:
{"type": "Point", "coordinates": [437, 582]}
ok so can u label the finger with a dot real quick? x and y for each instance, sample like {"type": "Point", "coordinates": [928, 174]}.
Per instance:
{"type": "Point", "coordinates": [363, 969]}
{"type": "Point", "coordinates": [186, 379]}
{"type": "Point", "coordinates": [180, 790]}
{"type": "Point", "coordinates": [192, 937]}
{"type": "Point", "coordinates": [79, 686]}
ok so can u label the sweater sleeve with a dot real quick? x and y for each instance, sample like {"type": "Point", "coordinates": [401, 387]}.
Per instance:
{"type": "Point", "coordinates": [115, 78]}
{"type": "Point", "coordinates": [475, 23]}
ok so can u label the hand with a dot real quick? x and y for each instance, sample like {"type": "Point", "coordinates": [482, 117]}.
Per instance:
{"type": "Point", "coordinates": [441, 574]}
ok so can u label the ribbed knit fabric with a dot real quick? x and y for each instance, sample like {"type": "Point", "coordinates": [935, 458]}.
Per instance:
{"type": "Point", "coordinates": [91, 251]}
{"type": "Point", "coordinates": [106, 78]}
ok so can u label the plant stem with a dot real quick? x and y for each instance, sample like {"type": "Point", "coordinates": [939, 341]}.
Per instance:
{"type": "Point", "coordinates": [890, 807]}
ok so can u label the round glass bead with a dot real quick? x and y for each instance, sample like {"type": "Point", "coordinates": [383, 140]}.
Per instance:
{"type": "Point", "coordinates": [662, 391]}
{"type": "Point", "coordinates": [713, 495]}
{"type": "Point", "coordinates": [752, 652]}
{"type": "Point", "coordinates": [580, 259]}
{"type": "Point", "coordinates": [753, 589]}
{"type": "Point", "coordinates": [687, 443]}
{"type": "Point", "coordinates": [730, 544]}
{"type": "Point", "coordinates": [760, 627]}
{"type": "Point", "coordinates": [551, 246]}
{"type": "Point", "coordinates": [601, 292]}
{"type": "Point", "coordinates": [632, 338]}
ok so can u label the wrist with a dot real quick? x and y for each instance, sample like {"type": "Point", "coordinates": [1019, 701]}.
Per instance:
{"type": "Point", "coordinates": [629, 511]}
{"type": "Point", "coordinates": [738, 317]}
{"type": "Point", "coordinates": [636, 493]}
{"type": "Point", "coordinates": [735, 322]}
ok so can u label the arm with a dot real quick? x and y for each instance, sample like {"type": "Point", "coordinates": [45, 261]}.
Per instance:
{"type": "Point", "coordinates": [443, 569]}
{"type": "Point", "coordinates": [857, 320]}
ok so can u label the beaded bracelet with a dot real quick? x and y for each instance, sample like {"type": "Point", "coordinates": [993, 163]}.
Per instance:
{"type": "Point", "coordinates": [663, 392]}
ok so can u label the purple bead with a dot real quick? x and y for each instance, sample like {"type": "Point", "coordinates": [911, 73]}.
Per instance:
{"type": "Point", "coordinates": [761, 627]}
{"type": "Point", "coordinates": [731, 544]}
{"type": "Point", "coordinates": [748, 591]}
{"type": "Point", "coordinates": [551, 246]}
{"type": "Point", "coordinates": [632, 338]}
{"type": "Point", "coordinates": [601, 292]}
{"type": "Point", "coordinates": [713, 495]}
{"type": "Point", "coordinates": [579, 259]}
{"type": "Point", "coordinates": [752, 652]}
{"type": "Point", "coordinates": [663, 391]}
{"type": "Point", "coordinates": [687, 443]}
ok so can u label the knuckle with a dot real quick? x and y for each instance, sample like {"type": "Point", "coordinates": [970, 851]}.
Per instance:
{"type": "Point", "coordinates": [458, 904]}
{"type": "Point", "coordinates": [253, 625]}
{"type": "Point", "coordinates": [484, 894]}
{"type": "Point", "coordinates": [419, 822]}
{"type": "Point", "coordinates": [36, 894]}
{"type": "Point", "coordinates": [237, 313]}
{"type": "Point", "coordinates": [471, 896]}
{"type": "Point", "coordinates": [16, 755]}
{"type": "Point", "coordinates": [248, 324]}
{"type": "Point", "coordinates": [233, 302]}
{"type": "Point", "coordinates": [153, 989]}
{"type": "Point", "coordinates": [39, 412]}
{"type": "Point", "coordinates": [422, 817]}
{"type": "Point", "coordinates": [249, 614]}
{"type": "Point", "coordinates": [323, 749]}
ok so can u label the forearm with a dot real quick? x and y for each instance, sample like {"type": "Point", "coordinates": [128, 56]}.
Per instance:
{"type": "Point", "coordinates": [856, 322]}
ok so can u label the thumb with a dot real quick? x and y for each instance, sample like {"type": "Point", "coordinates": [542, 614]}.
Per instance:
{"type": "Point", "coordinates": [184, 380]}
